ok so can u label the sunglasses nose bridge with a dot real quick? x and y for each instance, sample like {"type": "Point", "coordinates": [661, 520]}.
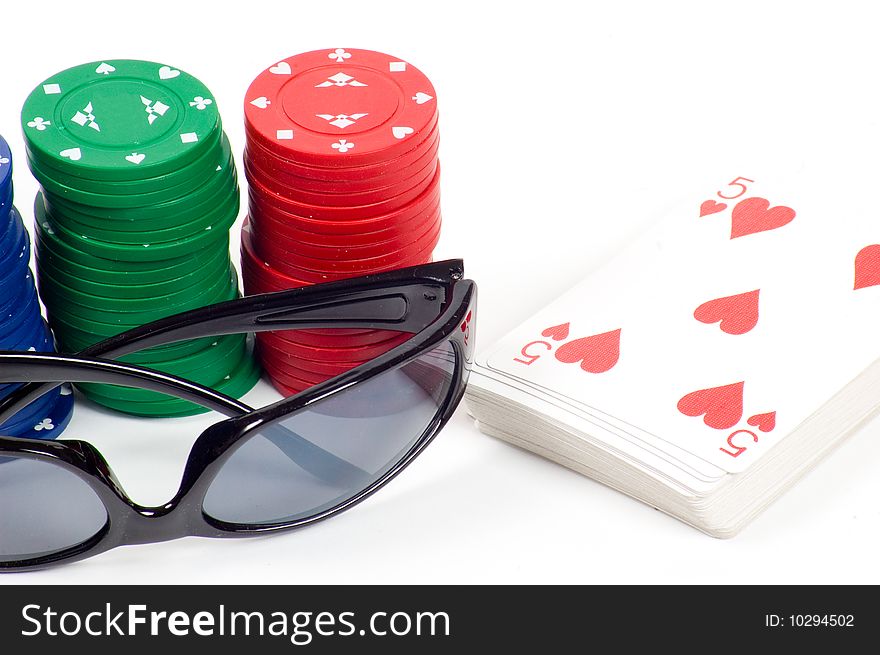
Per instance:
{"type": "Point", "coordinates": [156, 524]}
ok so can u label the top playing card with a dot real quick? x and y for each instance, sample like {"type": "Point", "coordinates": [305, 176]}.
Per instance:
{"type": "Point", "coordinates": [724, 327]}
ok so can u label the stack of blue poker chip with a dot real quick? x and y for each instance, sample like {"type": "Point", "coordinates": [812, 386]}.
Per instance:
{"type": "Point", "coordinates": [21, 324]}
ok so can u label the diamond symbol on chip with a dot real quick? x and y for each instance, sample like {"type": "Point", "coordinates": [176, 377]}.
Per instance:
{"type": "Point", "coordinates": [86, 118]}
{"type": "Point", "coordinates": [340, 79]}
{"type": "Point", "coordinates": [341, 120]}
{"type": "Point", "coordinates": [154, 109]}
{"type": "Point", "coordinates": [340, 55]}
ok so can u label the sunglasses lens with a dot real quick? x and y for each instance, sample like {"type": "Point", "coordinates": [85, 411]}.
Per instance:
{"type": "Point", "coordinates": [322, 456]}
{"type": "Point", "coordinates": [44, 509]}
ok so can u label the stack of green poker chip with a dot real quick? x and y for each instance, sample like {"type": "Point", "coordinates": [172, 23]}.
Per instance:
{"type": "Point", "coordinates": [139, 191]}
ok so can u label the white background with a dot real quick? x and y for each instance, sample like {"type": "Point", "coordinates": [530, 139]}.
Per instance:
{"type": "Point", "coordinates": [567, 127]}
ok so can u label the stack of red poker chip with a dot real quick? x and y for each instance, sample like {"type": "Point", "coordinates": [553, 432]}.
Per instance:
{"type": "Point", "coordinates": [344, 180]}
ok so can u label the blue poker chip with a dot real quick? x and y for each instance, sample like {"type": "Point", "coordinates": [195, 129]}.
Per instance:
{"type": "Point", "coordinates": [12, 235]}
{"type": "Point", "coordinates": [14, 267]}
{"type": "Point", "coordinates": [46, 424]}
{"type": "Point", "coordinates": [15, 307]}
{"type": "Point", "coordinates": [5, 166]}
{"type": "Point", "coordinates": [28, 332]}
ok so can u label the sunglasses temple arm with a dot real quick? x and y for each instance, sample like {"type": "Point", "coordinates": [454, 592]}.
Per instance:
{"type": "Point", "coordinates": [408, 307]}
{"type": "Point", "coordinates": [56, 369]}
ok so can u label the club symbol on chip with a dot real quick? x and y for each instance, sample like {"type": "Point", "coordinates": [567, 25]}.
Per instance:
{"type": "Point", "coordinates": [201, 103]}
{"type": "Point", "coordinates": [339, 55]}
{"type": "Point", "coordinates": [4, 160]}
{"type": "Point", "coordinates": [342, 146]}
{"type": "Point", "coordinates": [39, 123]}
{"type": "Point", "coordinates": [340, 79]}
{"type": "Point", "coordinates": [45, 424]}
{"type": "Point", "coordinates": [341, 120]}
{"type": "Point", "coordinates": [86, 118]}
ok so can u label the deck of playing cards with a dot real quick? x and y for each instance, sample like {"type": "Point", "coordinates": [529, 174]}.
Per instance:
{"type": "Point", "coordinates": [712, 362]}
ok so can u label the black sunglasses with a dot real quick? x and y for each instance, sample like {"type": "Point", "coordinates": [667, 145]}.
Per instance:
{"type": "Point", "coordinates": [287, 465]}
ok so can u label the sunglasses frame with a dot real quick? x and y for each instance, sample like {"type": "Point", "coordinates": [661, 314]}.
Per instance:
{"type": "Point", "coordinates": [433, 302]}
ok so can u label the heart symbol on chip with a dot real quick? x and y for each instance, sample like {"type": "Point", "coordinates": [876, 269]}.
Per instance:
{"type": "Point", "coordinates": [754, 215]}
{"type": "Point", "coordinates": [135, 157]}
{"type": "Point", "coordinates": [105, 69]}
{"type": "Point", "coordinates": [167, 73]}
{"type": "Point", "coordinates": [764, 422]}
{"type": "Point", "coordinates": [597, 354]}
{"type": "Point", "coordinates": [720, 407]}
{"type": "Point", "coordinates": [73, 154]}
{"type": "Point", "coordinates": [712, 207]}
{"type": "Point", "coordinates": [281, 68]}
{"type": "Point", "coordinates": [422, 98]}
{"type": "Point", "coordinates": [262, 102]}
{"type": "Point", "coordinates": [401, 132]}
{"type": "Point", "coordinates": [867, 267]}
{"type": "Point", "coordinates": [557, 332]}
{"type": "Point", "coordinates": [737, 314]}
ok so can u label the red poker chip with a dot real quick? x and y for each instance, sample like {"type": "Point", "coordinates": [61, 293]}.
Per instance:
{"type": "Point", "coordinates": [340, 108]}
{"type": "Point", "coordinates": [321, 354]}
{"type": "Point", "coordinates": [288, 230]}
{"type": "Point", "coordinates": [351, 338]}
{"type": "Point", "coordinates": [292, 376]}
{"type": "Point", "coordinates": [273, 196]}
{"type": "Point", "coordinates": [343, 198]}
{"type": "Point", "coordinates": [299, 266]}
{"type": "Point", "coordinates": [323, 178]}
{"type": "Point", "coordinates": [315, 277]}
{"type": "Point", "coordinates": [272, 359]}
{"type": "Point", "coordinates": [289, 383]}
{"type": "Point", "coordinates": [254, 138]}
{"type": "Point", "coordinates": [339, 234]}
{"type": "Point", "coordinates": [279, 240]}
{"type": "Point", "coordinates": [278, 360]}
{"type": "Point", "coordinates": [353, 224]}
{"type": "Point", "coordinates": [279, 339]}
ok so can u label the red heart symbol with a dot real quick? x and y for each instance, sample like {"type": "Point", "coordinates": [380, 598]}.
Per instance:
{"type": "Point", "coordinates": [867, 267]}
{"type": "Point", "coordinates": [712, 207]}
{"type": "Point", "coordinates": [738, 314]}
{"type": "Point", "coordinates": [754, 215]}
{"type": "Point", "coordinates": [721, 407]}
{"type": "Point", "coordinates": [764, 422]}
{"type": "Point", "coordinates": [597, 354]}
{"type": "Point", "coordinates": [557, 332]}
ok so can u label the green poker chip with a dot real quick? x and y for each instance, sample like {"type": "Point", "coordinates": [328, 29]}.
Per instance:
{"type": "Point", "coordinates": [113, 271]}
{"type": "Point", "coordinates": [237, 382]}
{"type": "Point", "coordinates": [120, 120]}
{"type": "Point", "coordinates": [71, 278]}
{"type": "Point", "coordinates": [85, 224]}
{"type": "Point", "coordinates": [109, 310]}
{"type": "Point", "coordinates": [64, 305]}
{"type": "Point", "coordinates": [217, 154]}
{"type": "Point", "coordinates": [101, 197]}
{"type": "Point", "coordinates": [123, 254]}
{"type": "Point", "coordinates": [221, 190]}
{"type": "Point", "coordinates": [72, 339]}
{"type": "Point", "coordinates": [205, 366]}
